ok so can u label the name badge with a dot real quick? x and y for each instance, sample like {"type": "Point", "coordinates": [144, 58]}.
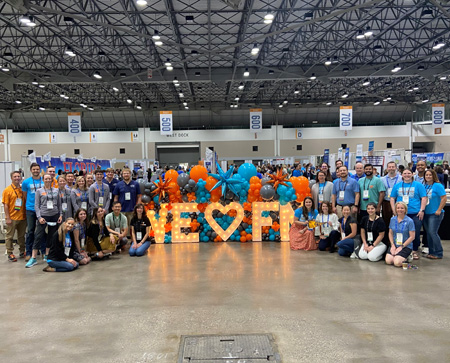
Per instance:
{"type": "Point", "coordinates": [365, 194]}
{"type": "Point", "coordinates": [117, 230]}
{"type": "Point", "coordinates": [370, 236]}
{"type": "Point", "coordinates": [49, 204]}
{"type": "Point", "coordinates": [399, 241]}
{"type": "Point", "coordinates": [326, 230]}
{"type": "Point", "coordinates": [389, 191]}
{"type": "Point", "coordinates": [110, 196]}
{"type": "Point", "coordinates": [405, 199]}
{"type": "Point", "coordinates": [84, 205]}
{"type": "Point", "coordinates": [18, 204]}
{"type": "Point", "coordinates": [128, 196]}
{"type": "Point", "coordinates": [138, 236]}
{"type": "Point", "coordinates": [341, 195]}
{"type": "Point", "coordinates": [83, 243]}
{"type": "Point", "coordinates": [64, 207]}
{"type": "Point", "coordinates": [67, 251]}
{"type": "Point", "coordinates": [100, 201]}
{"type": "Point", "coordinates": [320, 197]}
{"type": "Point", "coordinates": [343, 235]}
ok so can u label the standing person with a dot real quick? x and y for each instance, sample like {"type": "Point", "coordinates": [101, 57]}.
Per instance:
{"type": "Point", "coordinates": [322, 190]}
{"type": "Point", "coordinates": [61, 249]}
{"type": "Point", "coordinates": [98, 193]}
{"type": "Point", "coordinates": [421, 166]}
{"type": "Point", "coordinates": [29, 188]}
{"type": "Point", "coordinates": [49, 214]}
{"type": "Point", "coordinates": [372, 190]}
{"type": "Point", "coordinates": [70, 180]}
{"type": "Point", "coordinates": [348, 227]}
{"type": "Point", "coordinates": [434, 213]}
{"type": "Point", "coordinates": [117, 226]}
{"type": "Point", "coordinates": [372, 234]}
{"type": "Point", "coordinates": [345, 192]}
{"type": "Point", "coordinates": [401, 235]}
{"type": "Point", "coordinates": [128, 193]}
{"type": "Point", "coordinates": [80, 195]}
{"type": "Point", "coordinates": [359, 169]}
{"type": "Point", "coordinates": [413, 194]}
{"type": "Point", "coordinates": [326, 169]}
{"type": "Point", "coordinates": [328, 226]}
{"type": "Point", "coordinates": [64, 194]}
{"type": "Point", "coordinates": [98, 241]}
{"type": "Point", "coordinates": [140, 232]}
{"type": "Point", "coordinates": [111, 181]}
{"type": "Point", "coordinates": [301, 235]}
{"type": "Point", "coordinates": [79, 238]}
{"type": "Point", "coordinates": [89, 180]}
{"type": "Point", "coordinates": [338, 164]}
{"type": "Point", "coordinates": [52, 171]}
{"type": "Point", "coordinates": [389, 181]}
{"type": "Point", "coordinates": [14, 205]}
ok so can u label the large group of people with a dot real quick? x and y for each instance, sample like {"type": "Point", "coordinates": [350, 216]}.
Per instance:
{"type": "Point", "coordinates": [71, 220]}
{"type": "Point", "coordinates": [368, 217]}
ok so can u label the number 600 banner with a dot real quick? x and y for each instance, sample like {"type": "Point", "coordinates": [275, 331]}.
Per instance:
{"type": "Point", "coordinates": [345, 118]}
{"type": "Point", "coordinates": [256, 119]}
{"type": "Point", "coordinates": [166, 122]}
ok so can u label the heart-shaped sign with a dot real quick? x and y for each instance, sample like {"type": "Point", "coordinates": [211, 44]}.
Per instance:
{"type": "Point", "coordinates": [224, 209]}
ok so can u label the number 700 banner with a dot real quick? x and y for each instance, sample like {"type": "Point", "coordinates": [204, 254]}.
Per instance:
{"type": "Point", "coordinates": [345, 117]}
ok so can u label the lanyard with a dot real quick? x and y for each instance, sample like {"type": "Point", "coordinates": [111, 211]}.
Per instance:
{"type": "Point", "coordinates": [85, 197]}
{"type": "Point", "coordinates": [403, 188]}
{"type": "Point", "coordinates": [114, 220]}
{"type": "Point", "coordinates": [328, 218]}
{"type": "Point", "coordinates": [429, 188]}
{"type": "Point", "coordinates": [321, 187]}
{"type": "Point", "coordinates": [396, 227]}
{"type": "Point", "coordinates": [14, 189]}
{"type": "Point", "coordinates": [344, 224]}
{"type": "Point", "coordinates": [68, 242]}
{"type": "Point", "coordinates": [98, 189]}
{"type": "Point", "coordinates": [345, 185]}
{"type": "Point", "coordinates": [370, 181]}
{"type": "Point", "coordinates": [371, 226]}
{"type": "Point", "coordinates": [40, 184]}
{"type": "Point", "coordinates": [64, 196]}
{"type": "Point", "coordinates": [387, 181]}
{"type": "Point", "coordinates": [49, 194]}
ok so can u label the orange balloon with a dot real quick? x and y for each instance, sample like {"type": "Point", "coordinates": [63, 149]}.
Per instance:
{"type": "Point", "coordinates": [249, 237]}
{"type": "Point", "coordinates": [243, 239]}
{"type": "Point", "coordinates": [171, 174]}
{"type": "Point", "coordinates": [210, 182]}
{"type": "Point", "coordinates": [198, 172]}
{"type": "Point", "coordinates": [255, 180]}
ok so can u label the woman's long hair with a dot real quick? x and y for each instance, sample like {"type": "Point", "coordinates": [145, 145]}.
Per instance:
{"type": "Point", "coordinates": [304, 210]}
{"type": "Point", "coordinates": [62, 228]}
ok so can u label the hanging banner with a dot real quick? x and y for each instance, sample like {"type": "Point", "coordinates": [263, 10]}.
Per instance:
{"type": "Point", "coordinates": [438, 113]}
{"type": "Point", "coordinates": [371, 147]}
{"type": "Point", "coordinates": [347, 157]}
{"type": "Point", "coordinates": [52, 137]}
{"type": "Point", "coordinates": [298, 134]}
{"type": "Point", "coordinates": [256, 119]}
{"type": "Point", "coordinates": [134, 136]}
{"type": "Point", "coordinates": [359, 152]}
{"type": "Point", "coordinates": [166, 122]}
{"type": "Point", "coordinates": [326, 156]}
{"type": "Point", "coordinates": [345, 117]}
{"type": "Point", "coordinates": [339, 154]}
{"type": "Point", "coordinates": [74, 119]}
{"type": "Point", "coordinates": [93, 137]}
{"type": "Point", "coordinates": [71, 164]}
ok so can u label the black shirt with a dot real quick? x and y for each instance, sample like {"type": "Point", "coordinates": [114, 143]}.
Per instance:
{"type": "Point", "coordinates": [140, 225]}
{"type": "Point", "coordinates": [57, 251]}
{"type": "Point", "coordinates": [347, 228]}
{"type": "Point", "coordinates": [376, 227]}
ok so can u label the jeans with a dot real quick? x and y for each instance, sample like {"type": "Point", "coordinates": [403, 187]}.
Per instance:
{"type": "Point", "coordinates": [330, 241]}
{"type": "Point", "coordinates": [31, 226]}
{"type": "Point", "coordinates": [140, 251]}
{"type": "Point", "coordinates": [62, 266]}
{"type": "Point", "coordinates": [431, 223]}
{"type": "Point", "coordinates": [52, 232]}
{"type": "Point", "coordinates": [346, 247]}
{"type": "Point", "coordinates": [417, 227]}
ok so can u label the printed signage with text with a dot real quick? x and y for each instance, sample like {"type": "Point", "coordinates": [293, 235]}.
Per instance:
{"type": "Point", "coordinates": [298, 134]}
{"type": "Point", "coordinates": [438, 110]}
{"type": "Point", "coordinates": [166, 122]}
{"type": "Point", "coordinates": [256, 119]}
{"type": "Point", "coordinates": [345, 118]}
{"type": "Point", "coordinates": [74, 123]}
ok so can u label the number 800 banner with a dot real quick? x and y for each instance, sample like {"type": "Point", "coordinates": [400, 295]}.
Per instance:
{"type": "Point", "coordinates": [166, 122]}
{"type": "Point", "coordinates": [345, 118]}
{"type": "Point", "coordinates": [256, 119]}
{"type": "Point", "coordinates": [438, 117]}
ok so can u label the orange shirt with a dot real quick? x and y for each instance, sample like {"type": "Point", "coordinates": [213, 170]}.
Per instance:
{"type": "Point", "coordinates": [54, 183]}
{"type": "Point", "coordinates": [9, 197]}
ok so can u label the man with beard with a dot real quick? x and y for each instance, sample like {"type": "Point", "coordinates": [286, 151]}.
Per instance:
{"type": "Point", "coordinates": [372, 191]}
{"type": "Point", "coordinates": [345, 192]}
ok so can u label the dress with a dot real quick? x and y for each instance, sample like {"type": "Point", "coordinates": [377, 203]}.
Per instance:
{"type": "Point", "coordinates": [303, 241]}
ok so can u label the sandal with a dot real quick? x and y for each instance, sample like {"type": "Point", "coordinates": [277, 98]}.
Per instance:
{"type": "Point", "coordinates": [416, 255]}
{"type": "Point", "coordinates": [432, 257]}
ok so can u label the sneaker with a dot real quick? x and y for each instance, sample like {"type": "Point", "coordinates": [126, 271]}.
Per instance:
{"type": "Point", "coordinates": [49, 269]}
{"type": "Point", "coordinates": [45, 258]}
{"type": "Point", "coordinates": [31, 263]}
{"type": "Point", "coordinates": [425, 250]}
{"type": "Point", "coordinates": [353, 255]}
{"type": "Point", "coordinates": [12, 258]}
{"type": "Point", "coordinates": [22, 255]}
{"type": "Point", "coordinates": [27, 258]}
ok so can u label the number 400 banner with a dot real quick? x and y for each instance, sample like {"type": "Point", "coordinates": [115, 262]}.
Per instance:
{"type": "Point", "coordinates": [345, 117]}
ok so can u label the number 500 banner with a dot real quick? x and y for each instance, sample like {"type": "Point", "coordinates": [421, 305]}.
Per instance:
{"type": "Point", "coordinates": [438, 110]}
{"type": "Point", "coordinates": [166, 122]}
{"type": "Point", "coordinates": [345, 117]}
{"type": "Point", "coordinates": [256, 119]}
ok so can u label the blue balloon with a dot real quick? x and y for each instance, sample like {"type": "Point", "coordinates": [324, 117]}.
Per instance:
{"type": "Point", "coordinates": [180, 171]}
{"type": "Point", "coordinates": [205, 239]}
{"type": "Point", "coordinates": [247, 170]}
{"type": "Point", "coordinates": [272, 237]}
{"type": "Point", "coordinates": [281, 190]}
{"type": "Point", "coordinates": [259, 175]}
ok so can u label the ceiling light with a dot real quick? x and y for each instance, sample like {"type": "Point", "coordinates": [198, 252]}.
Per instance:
{"type": "Point", "coordinates": [329, 103]}
{"type": "Point", "coordinates": [97, 75]}
{"type": "Point", "coordinates": [83, 105]}
{"type": "Point", "coordinates": [315, 122]}
{"type": "Point", "coordinates": [345, 95]}
{"type": "Point", "coordinates": [285, 101]}
{"type": "Point", "coordinates": [69, 51]}
{"type": "Point", "coordinates": [175, 80]}
{"type": "Point", "coordinates": [5, 68]}
{"type": "Point", "coordinates": [158, 43]}
{"type": "Point", "coordinates": [368, 32]}
{"type": "Point", "coordinates": [313, 77]}
{"type": "Point", "coordinates": [42, 108]}
{"type": "Point", "coordinates": [62, 95]}
{"type": "Point", "coordinates": [241, 86]}
{"type": "Point", "coordinates": [66, 97]}
{"type": "Point", "coordinates": [328, 62]}
{"type": "Point", "coordinates": [115, 89]}
{"type": "Point", "coordinates": [396, 68]}
{"type": "Point", "coordinates": [197, 74]}
{"type": "Point", "coordinates": [246, 73]}
{"type": "Point", "coordinates": [269, 16]}
{"type": "Point", "coordinates": [309, 15]}
{"type": "Point", "coordinates": [345, 69]}
{"type": "Point", "coordinates": [389, 98]}
{"type": "Point", "coordinates": [420, 68]}
{"type": "Point", "coordinates": [185, 104]}
{"type": "Point", "coordinates": [231, 106]}
{"type": "Point", "coordinates": [416, 88]}
{"type": "Point", "coordinates": [255, 49]}
{"type": "Point", "coordinates": [129, 101]}
{"type": "Point", "coordinates": [181, 95]}
{"type": "Point", "coordinates": [24, 19]}
{"type": "Point", "coordinates": [156, 36]}
{"type": "Point", "coordinates": [366, 83]}
{"type": "Point", "coordinates": [425, 100]}
{"type": "Point", "coordinates": [236, 98]}
{"type": "Point", "coordinates": [410, 90]}
{"type": "Point", "coordinates": [443, 78]}
{"type": "Point", "coordinates": [271, 71]}
{"type": "Point", "coordinates": [90, 108]}
{"type": "Point", "coordinates": [280, 105]}
{"type": "Point", "coordinates": [385, 99]}
{"type": "Point", "coordinates": [186, 107]}
{"type": "Point", "coordinates": [18, 102]}
{"type": "Point", "coordinates": [139, 107]}
{"type": "Point", "coordinates": [169, 68]}
{"type": "Point", "coordinates": [267, 21]}
{"type": "Point", "coordinates": [296, 91]}
{"type": "Point", "coordinates": [167, 63]}
{"type": "Point", "coordinates": [31, 22]}
{"type": "Point", "coordinates": [438, 44]}
{"type": "Point", "coordinates": [189, 18]}
{"type": "Point", "coordinates": [141, 2]}
{"type": "Point", "coordinates": [35, 83]}
{"type": "Point", "coordinates": [41, 86]}
{"type": "Point", "coordinates": [360, 35]}
{"type": "Point", "coordinates": [376, 103]}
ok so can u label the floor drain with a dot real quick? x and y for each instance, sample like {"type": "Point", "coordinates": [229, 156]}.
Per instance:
{"type": "Point", "coordinates": [240, 348]}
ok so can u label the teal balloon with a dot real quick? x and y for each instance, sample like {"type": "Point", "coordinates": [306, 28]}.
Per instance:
{"type": "Point", "coordinates": [247, 170]}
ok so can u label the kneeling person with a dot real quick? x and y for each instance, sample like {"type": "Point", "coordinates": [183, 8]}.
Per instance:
{"type": "Point", "coordinates": [372, 234]}
{"type": "Point", "coordinates": [117, 226]}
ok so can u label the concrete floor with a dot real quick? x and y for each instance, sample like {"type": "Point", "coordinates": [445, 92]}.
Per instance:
{"type": "Point", "coordinates": [319, 307]}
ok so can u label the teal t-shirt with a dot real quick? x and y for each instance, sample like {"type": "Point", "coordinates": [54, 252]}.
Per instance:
{"type": "Point", "coordinates": [434, 194]}
{"type": "Point", "coordinates": [374, 186]}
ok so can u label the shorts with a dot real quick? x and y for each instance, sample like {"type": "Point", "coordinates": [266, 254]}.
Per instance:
{"type": "Point", "coordinates": [405, 252]}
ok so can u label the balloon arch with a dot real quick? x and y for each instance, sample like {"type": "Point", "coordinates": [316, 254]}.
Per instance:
{"type": "Point", "coordinates": [201, 207]}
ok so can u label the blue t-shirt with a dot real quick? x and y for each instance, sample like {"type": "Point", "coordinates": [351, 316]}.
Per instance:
{"type": "Point", "coordinates": [356, 177]}
{"type": "Point", "coordinates": [434, 194]}
{"type": "Point", "coordinates": [416, 192]}
{"type": "Point", "coordinates": [404, 227]}
{"type": "Point", "coordinates": [349, 186]}
{"type": "Point", "coordinates": [30, 186]}
{"type": "Point", "coordinates": [311, 215]}
{"type": "Point", "coordinates": [111, 185]}
{"type": "Point", "coordinates": [122, 188]}
{"type": "Point", "coordinates": [296, 172]}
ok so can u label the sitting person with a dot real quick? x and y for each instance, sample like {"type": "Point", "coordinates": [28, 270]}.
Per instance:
{"type": "Point", "coordinates": [348, 227]}
{"type": "Point", "coordinates": [61, 249]}
{"type": "Point", "coordinates": [98, 242]}
{"type": "Point", "coordinates": [301, 234]}
{"type": "Point", "coordinates": [372, 234]}
{"type": "Point", "coordinates": [79, 234]}
{"type": "Point", "coordinates": [117, 226]}
{"type": "Point", "coordinates": [140, 230]}
{"type": "Point", "coordinates": [401, 235]}
{"type": "Point", "coordinates": [328, 226]}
